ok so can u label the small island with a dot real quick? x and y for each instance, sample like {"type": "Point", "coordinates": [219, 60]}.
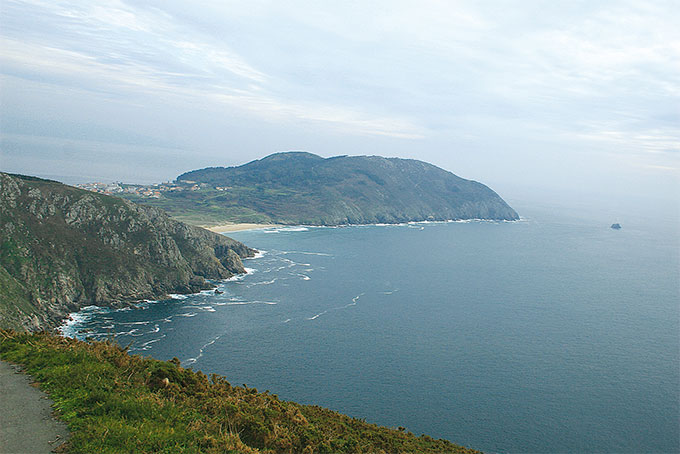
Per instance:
{"type": "Point", "coordinates": [616, 226]}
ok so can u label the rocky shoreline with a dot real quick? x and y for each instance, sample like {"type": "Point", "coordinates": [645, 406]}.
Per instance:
{"type": "Point", "coordinates": [64, 248]}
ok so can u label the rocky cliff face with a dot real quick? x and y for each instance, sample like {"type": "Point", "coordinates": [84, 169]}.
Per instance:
{"type": "Point", "coordinates": [63, 248]}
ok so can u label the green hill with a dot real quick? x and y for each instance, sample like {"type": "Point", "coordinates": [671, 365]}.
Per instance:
{"type": "Point", "coordinates": [62, 248]}
{"type": "Point", "coordinates": [302, 188]}
{"type": "Point", "coordinates": [119, 403]}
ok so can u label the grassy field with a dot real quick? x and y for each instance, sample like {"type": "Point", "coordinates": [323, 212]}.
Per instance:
{"type": "Point", "coordinates": [114, 402]}
{"type": "Point", "coordinates": [204, 207]}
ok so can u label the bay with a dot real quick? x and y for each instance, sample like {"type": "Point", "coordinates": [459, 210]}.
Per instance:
{"type": "Point", "coordinates": [552, 334]}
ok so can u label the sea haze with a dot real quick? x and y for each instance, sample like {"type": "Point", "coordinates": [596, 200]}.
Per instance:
{"type": "Point", "coordinates": [551, 334]}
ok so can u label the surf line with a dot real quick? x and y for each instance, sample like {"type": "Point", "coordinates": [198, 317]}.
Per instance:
{"type": "Point", "coordinates": [190, 361]}
{"type": "Point", "coordinates": [353, 303]}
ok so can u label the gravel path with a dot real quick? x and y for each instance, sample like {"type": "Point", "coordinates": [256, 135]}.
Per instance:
{"type": "Point", "coordinates": [26, 422]}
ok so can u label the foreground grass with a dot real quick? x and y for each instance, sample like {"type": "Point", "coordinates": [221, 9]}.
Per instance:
{"type": "Point", "coordinates": [114, 402]}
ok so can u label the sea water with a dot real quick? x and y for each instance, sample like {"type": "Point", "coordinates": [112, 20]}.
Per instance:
{"type": "Point", "coordinates": [551, 334]}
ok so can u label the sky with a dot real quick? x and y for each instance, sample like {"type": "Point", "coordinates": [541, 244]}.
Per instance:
{"type": "Point", "coordinates": [579, 97]}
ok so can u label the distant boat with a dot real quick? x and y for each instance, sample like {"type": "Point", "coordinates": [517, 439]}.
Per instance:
{"type": "Point", "coordinates": [616, 226]}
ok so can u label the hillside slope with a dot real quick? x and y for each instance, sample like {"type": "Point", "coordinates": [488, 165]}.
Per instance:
{"type": "Point", "coordinates": [302, 188]}
{"type": "Point", "coordinates": [62, 248]}
{"type": "Point", "coordinates": [114, 402]}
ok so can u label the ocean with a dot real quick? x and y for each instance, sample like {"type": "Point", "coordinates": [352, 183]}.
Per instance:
{"type": "Point", "coordinates": [551, 334]}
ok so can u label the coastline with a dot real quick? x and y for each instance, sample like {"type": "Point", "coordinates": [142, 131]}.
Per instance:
{"type": "Point", "coordinates": [238, 227]}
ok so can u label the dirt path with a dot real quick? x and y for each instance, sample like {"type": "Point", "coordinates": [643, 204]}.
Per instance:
{"type": "Point", "coordinates": [26, 423]}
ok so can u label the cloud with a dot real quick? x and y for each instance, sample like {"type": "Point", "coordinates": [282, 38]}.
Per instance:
{"type": "Point", "coordinates": [600, 76]}
{"type": "Point", "coordinates": [90, 53]}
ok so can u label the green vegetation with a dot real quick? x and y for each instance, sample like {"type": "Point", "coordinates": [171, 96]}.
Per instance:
{"type": "Point", "coordinates": [62, 248]}
{"type": "Point", "coordinates": [114, 402]}
{"type": "Point", "coordinates": [302, 188]}
{"type": "Point", "coordinates": [204, 207]}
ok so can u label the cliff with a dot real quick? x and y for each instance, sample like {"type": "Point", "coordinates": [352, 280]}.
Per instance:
{"type": "Point", "coordinates": [62, 248]}
{"type": "Point", "coordinates": [302, 188]}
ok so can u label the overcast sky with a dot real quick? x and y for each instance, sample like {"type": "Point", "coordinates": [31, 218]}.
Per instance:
{"type": "Point", "coordinates": [540, 94]}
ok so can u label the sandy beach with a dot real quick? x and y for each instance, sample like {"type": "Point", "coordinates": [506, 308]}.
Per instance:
{"type": "Point", "coordinates": [238, 227]}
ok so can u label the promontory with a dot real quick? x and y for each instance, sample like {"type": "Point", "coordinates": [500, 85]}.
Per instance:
{"type": "Point", "coordinates": [62, 248]}
{"type": "Point", "coordinates": [303, 188]}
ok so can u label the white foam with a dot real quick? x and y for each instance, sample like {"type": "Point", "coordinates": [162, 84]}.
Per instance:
{"type": "Point", "coordinates": [189, 361]}
{"type": "Point", "coordinates": [307, 253]}
{"type": "Point", "coordinates": [264, 282]}
{"type": "Point", "coordinates": [177, 296]}
{"type": "Point", "coordinates": [258, 255]}
{"type": "Point", "coordinates": [147, 345]}
{"type": "Point", "coordinates": [286, 320]}
{"type": "Point", "coordinates": [189, 314]}
{"type": "Point", "coordinates": [294, 229]}
{"type": "Point", "coordinates": [208, 308]}
{"type": "Point", "coordinates": [243, 303]}
{"type": "Point", "coordinates": [287, 229]}
{"type": "Point", "coordinates": [353, 303]}
{"type": "Point", "coordinates": [290, 263]}
{"type": "Point", "coordinates": [143, 304]}
{"type": "Point", "coordinates": [129, 333]}
{"type": "Point", "coordinates": [317, 315]}
{"type": "Point", "coordinates": [72, 323]}
{"type": "Point", "coordinates": [234, 278]}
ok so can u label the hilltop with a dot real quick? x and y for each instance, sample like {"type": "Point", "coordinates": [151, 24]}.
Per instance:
{"type": "Point", "coordinates": [63, 248]}
{"type": "Point", "coordinates": [303, 188]}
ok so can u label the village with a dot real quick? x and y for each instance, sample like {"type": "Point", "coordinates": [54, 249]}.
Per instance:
{"type": "Point", "coordinates": [153, 191]}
